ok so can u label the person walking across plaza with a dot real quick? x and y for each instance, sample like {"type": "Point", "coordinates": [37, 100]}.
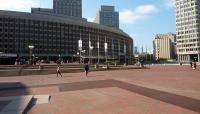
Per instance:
{"type": "Point", "coordinates": [191, 64]}
{"type": "Point", "coordinates": [58, 71]}
{"type": "Point", "coordinates": [86, 69]}
{"type": "Point", "coordinates": [195, 65]}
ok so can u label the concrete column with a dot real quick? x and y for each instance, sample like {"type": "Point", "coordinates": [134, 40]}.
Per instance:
{"type": "Point", "coordinates": [198, 57]}
{"type": "Point", "coordinates": [189, 58]}
{"type": "Point", "coordinates": [181, 58]}
{"type": "Point", "coordinates": [178, 58]}
{"type": "Point", "coordinates": [185, 58]}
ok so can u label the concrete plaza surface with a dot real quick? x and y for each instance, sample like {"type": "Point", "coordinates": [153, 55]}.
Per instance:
{"type": "Point", "coordinates": [158, 89]}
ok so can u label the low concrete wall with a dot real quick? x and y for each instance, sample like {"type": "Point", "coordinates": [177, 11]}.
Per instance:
{"type": "Point", "coordinates": [51, 69]}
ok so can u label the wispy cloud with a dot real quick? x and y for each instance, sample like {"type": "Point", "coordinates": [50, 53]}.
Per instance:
{"type": "Point", "coordinates": [90, 19]}
{"type": "Point", "coordinates": [139, 13]}
{"type": "Point", "coordinates": [133, 36]}
{"type": "Point", "coordinates": [18, 5]}
{"type": "Point", "coordinates": [170, 3]}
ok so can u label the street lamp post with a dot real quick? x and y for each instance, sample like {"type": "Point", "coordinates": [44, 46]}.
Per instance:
{"type": "Point", "coordinates": [73, 55]}
{"type": "Point", "coordinates": [31, 47]}
{"type": "Point", "coordinates": [79, 53]}
{"type": "Point", "coordinates": [34, 63]}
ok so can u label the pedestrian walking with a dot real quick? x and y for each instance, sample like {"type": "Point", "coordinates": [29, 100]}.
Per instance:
{"type": "Point", "coordinates": [58, 71]}
{"type": "Point", "coordinates": [86, 69]}
{"type": "Point", "coordinates": [195, 65]}
{"type": "Point", "coordinates": [191, 64]}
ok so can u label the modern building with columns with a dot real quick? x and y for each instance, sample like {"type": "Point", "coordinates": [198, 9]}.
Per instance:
{"type": "Point", "coordinates": [57, 36]}
{"type": "Point", "coordinates": [188, 30]}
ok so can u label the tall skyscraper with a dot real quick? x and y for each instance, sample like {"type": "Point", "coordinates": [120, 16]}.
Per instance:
{"type": "Point", "coordinates": [165, 46]}
{"type": "Point", "coordinates": [188, 30]}
{"type": "Point", "coordinates": [108, 16]}
{"type": "Point", "coordinates": [68, 7]}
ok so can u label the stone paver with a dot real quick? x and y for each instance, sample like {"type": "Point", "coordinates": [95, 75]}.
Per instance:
{"type": "Point", "coordinates": [157, 90]}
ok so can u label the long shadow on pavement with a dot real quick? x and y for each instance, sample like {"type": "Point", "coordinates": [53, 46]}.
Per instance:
{"type": "Point", "coordinates": [178, 100]}
{"type": "Point", "coordinates": [11, 102]}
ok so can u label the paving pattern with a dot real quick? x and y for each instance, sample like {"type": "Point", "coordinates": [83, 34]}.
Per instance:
{"type": "Point", "coordinates": [157, 90]}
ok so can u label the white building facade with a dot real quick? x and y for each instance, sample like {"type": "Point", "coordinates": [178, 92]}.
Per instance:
{"type": "Point", "coordinates": [188, 30]}
{"type": "Point", "coordinates": [165, 46]}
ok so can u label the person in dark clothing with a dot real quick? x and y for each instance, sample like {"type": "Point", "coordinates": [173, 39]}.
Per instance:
{"type": "Point", "coordinates": [58, 71]}
{"type": "Point", "coordinates": [58, 62]}
{"type": "Point", "coordinates": [195, 65]}
{"type": "Point", "coordinates": [191, 64]}
{"type": "Point", "coordinates": [86, 69]}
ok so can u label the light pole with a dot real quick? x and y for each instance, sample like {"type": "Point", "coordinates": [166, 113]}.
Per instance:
{"type": "Point", "coordinates": [79, 53]}
{"type": "Point", "coordinates": [34, 63]}
{"type": "Point", "coordinates": [31, 47]}
{"type": "Point", "coordinates": [73, 55]}
{"type": "Point", "coordinates": [59, 57]}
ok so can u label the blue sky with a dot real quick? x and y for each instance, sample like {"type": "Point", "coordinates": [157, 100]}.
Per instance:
{"type": "Point", "coordinates": [141, 19]}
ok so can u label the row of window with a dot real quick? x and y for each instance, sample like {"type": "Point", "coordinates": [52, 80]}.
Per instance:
{"type": "Point", "coordinates": [189, 36]}
{"type": "Point", "coordinates": [190, 40]}
{"type": "Point", "coordinates": [51, 35]}
{"type": "Point", "coordinates": [188, 50]}
{"type": "Point", "coordinates": [186, 45]}
{"type": "Point", "coordinates": [180, 2]}
{"type": "Point", "coordinates": [187, 32]}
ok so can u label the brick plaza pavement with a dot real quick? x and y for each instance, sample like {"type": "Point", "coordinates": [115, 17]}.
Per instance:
{"type": "Point", "coordinates": [157, 90]}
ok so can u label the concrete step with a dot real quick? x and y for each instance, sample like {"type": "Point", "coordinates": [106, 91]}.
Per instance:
{"type": "Point", "coordinates": [21, 104]}
{"type": "Point", "coordinates": [15, 105]}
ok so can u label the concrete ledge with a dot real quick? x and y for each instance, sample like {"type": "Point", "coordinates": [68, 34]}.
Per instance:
{"type": "Point", "coordinates": [17, 105]}
{"type": "Point", "coordinates": [64, 69]}
{"type": "Point", "coordinates": [41, 99]}
{"type": "Point", "coordinates": [20, 104]}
